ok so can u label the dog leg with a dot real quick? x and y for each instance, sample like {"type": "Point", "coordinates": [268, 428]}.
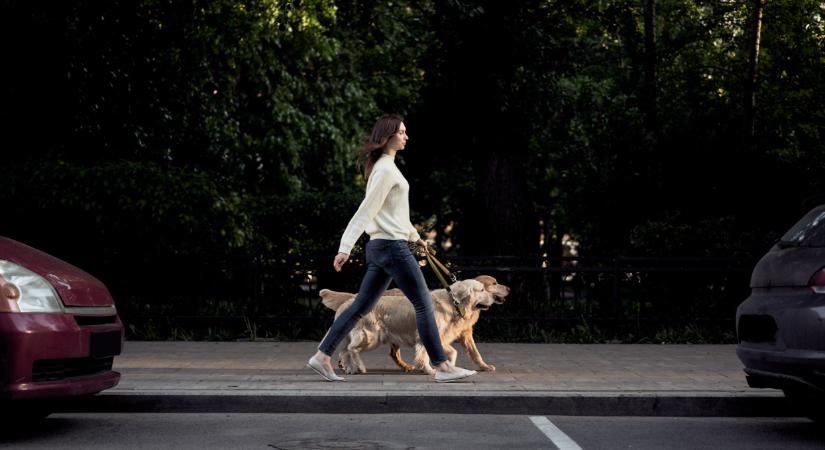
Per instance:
{"type": "Point", "coordinates": [347, 364]}
{"type": "Point", "coordinates": [422, 359]}
{"type": "Point", "coordinates": [370, 338]}
{"type": "Point", "coordinates": [360, 367]}
{"type": "Point", "coordinates": [343, 355]}
{"type": "Point", "coordinates": [469, 343]}
{"type": "Point", "coordinates": [355, 363]}
{"type": "Point", "coordinates": [395, 354]}
{"type": "Point", "coordinates": [452, 354]}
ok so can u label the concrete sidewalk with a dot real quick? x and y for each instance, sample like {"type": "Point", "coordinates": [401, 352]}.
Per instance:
{"type": "Point", "coordinates": [672, 380]}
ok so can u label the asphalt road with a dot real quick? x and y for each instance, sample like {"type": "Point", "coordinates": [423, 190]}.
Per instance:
{"type": "Point", "coordinates": [407, 431]}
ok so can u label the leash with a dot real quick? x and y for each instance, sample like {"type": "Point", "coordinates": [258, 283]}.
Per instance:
{"type": "Point", "coordinates": [438, 268]}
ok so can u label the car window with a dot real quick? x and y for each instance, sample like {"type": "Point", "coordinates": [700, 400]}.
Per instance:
{"type": "Point", "coordinates": [809, 231]}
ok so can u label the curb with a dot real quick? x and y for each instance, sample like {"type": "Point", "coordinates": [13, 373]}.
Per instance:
{"type": "Point", "coordinates": [585, 404]}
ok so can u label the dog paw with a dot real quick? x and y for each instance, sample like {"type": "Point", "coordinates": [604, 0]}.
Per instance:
{"type": "Point", "coordinates": [488, 368]}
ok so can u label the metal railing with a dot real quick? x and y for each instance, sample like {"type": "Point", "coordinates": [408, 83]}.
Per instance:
{"type": "Point", "coordinates": [278, 296]}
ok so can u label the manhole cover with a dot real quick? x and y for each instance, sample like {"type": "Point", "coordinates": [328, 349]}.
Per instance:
{"type": "Point", "coordinates": [322, 444]}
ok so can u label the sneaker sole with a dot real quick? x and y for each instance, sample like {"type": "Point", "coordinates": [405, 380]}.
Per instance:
{"type": "Point", "coordinates": [321, 373]}
{"type": "Point", "coordinates": [453, 379]}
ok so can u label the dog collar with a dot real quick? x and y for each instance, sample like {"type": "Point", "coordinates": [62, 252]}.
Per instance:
{"type": "Point", "coordinates": [460, 311]}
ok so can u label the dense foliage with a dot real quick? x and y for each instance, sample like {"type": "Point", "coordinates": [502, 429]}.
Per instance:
{"type": "Point", "coordinates": [196, 139]}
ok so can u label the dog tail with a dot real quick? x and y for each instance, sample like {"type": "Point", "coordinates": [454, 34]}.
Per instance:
{"type": "Point", "coordinates": [332, 299]}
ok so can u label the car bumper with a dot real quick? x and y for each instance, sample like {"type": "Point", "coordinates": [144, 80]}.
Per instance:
{"type": "Point", "coordinates": [57, 355]}
{"type": "Point", "coordinates": [782, 339]}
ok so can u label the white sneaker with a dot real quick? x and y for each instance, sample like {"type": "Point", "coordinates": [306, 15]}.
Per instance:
{"type": "Point", "coordinates": [458, 374]}
{"type": "Point", "coordinates": [318, 367]}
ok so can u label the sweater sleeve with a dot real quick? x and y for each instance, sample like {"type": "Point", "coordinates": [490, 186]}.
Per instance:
{"type": "Point", "coordinates": [378, 188]}
{"type": "Point", "coordinates": [414, 236]}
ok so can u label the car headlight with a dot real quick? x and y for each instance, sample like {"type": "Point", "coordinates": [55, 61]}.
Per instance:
{"type": "Point", "coordinates": [22, 290]}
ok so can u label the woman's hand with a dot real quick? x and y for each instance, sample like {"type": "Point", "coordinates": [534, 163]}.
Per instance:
{"type": "Point", "coordinates": [340, 259]}
{"type": "Point", "coordinates": [422, 246]}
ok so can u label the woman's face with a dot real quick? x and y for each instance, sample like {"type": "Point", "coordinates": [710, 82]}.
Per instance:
{"type": "Point", "coordinates": [398, 140]}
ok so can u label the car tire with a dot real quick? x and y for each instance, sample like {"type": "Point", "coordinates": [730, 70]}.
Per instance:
{"type": "Point", "coordinates": [807, 403]}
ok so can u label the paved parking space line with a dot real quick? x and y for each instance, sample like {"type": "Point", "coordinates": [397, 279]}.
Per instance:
{"type": "Point", "coordinates": [556, 436]}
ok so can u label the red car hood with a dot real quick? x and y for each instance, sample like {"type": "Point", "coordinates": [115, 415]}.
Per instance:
{"type": "Point", "coordinates": [75, 287]}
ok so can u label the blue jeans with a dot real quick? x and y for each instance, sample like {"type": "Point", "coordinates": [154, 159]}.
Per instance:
{"type": "Point", "coordinates": [389, 260]}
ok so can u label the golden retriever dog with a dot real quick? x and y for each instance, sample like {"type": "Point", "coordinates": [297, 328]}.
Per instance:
{"type": "Point", "coordinates": [393, 321]}
{"type": "Point", "coordinates": [465, 337]}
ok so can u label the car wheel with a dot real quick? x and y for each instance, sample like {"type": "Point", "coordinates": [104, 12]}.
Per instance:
{"type": "Point", "coordinates": [807, 403]}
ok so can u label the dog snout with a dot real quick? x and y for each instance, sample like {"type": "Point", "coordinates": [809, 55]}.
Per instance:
{"type": "Point", "coordinates": [500, 299]}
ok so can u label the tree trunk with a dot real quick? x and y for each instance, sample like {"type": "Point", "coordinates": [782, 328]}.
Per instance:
{"type": "Point", "coordinates": [750, 80]}
{"type": "Point", "coordinates": [507, 230]}
{"type": "Point", "coordinates": [649, 84]}
{"type": "Point", "coordinates": [555, 251]}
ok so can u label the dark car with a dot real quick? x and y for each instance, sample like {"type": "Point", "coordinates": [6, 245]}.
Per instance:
{"type": "Point", "coordinates": [59, 329]}
{"type": "Point", "coordinates": [781, 326]}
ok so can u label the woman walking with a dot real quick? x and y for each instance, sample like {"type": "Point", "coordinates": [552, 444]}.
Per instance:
{"type": "Point", "coordinates": [385, 216]}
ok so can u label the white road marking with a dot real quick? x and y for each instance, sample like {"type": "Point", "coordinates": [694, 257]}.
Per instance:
{"type": "Point", "coordinates": [556, 436]}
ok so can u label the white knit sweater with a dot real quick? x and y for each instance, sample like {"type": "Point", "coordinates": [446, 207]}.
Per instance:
{"type": "Point", "coordinates": [385, 211]}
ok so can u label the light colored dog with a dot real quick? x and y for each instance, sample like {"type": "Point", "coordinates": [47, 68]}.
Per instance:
{"type": "Point", "coordinates": [393, 321]}
{"type": "Point", "coordinates": [465, 337]}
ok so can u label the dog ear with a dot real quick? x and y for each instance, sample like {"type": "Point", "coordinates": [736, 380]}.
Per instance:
{"type": "Point", "coordinates": [467, 288]}
{"type": "Point", "coordinates": [462, 290]}
{"type": "Point", "coordinates": [486, 280]}
{"type": "Point", "coordinates": [474, 285]}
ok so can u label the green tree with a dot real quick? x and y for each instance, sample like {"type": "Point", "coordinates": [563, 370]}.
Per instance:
{"type": "Point", "coordinates": [218, 131]}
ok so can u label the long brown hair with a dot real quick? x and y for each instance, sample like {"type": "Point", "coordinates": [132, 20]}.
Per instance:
{"type": "Point", "coordinates": [382, 131]}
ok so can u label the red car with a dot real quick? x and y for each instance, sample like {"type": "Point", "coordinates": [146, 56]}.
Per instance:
{"type": "Point", "coordinates": [59, 330]}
